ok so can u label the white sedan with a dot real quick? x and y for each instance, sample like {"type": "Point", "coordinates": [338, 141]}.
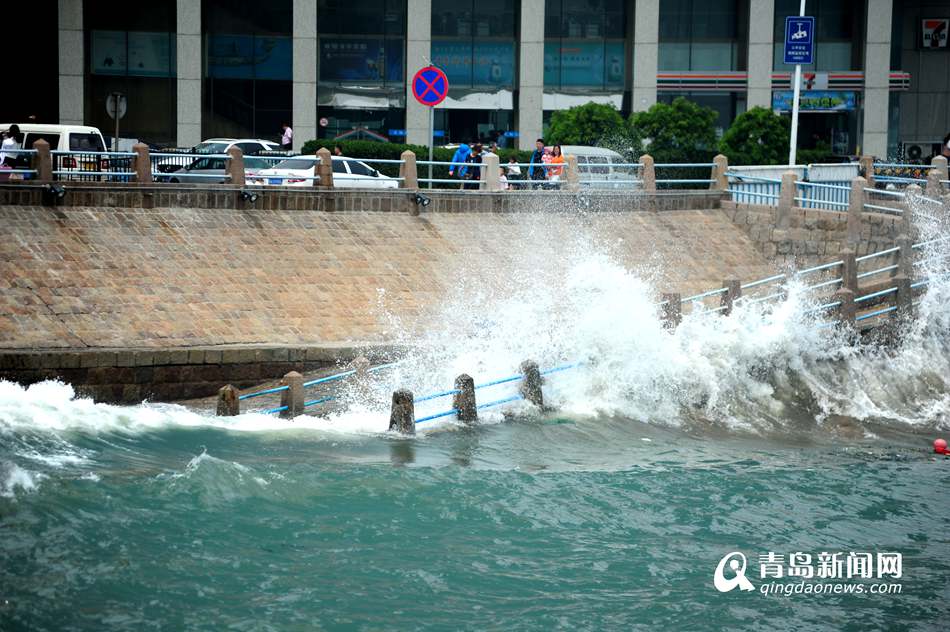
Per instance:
{"type": "Point", "coordinates": [300, 171]}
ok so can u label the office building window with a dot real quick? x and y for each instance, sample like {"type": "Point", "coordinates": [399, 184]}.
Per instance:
{"type": "Point", "coordinates": [584, 44]}
{"type": "Point", "coordinates": [839, 33]}
{"type": "Point", "coordinates": [132, 53]}
{"type": "Point", "coordinates": [248, 62]}
{"type": "Point", "coordinates": [474, 42]}
{"type": "Point", "coordinates": [362, 42]}
{"type": "Point", "coordinates": [702, 35]}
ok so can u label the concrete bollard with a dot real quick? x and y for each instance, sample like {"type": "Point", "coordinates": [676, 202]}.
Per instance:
{"type": "Point", "coordinates": [228, 403]}
{"type": "Point", "coordinates": [43, 161]}
{"type": "Point", "coordinates": [489, 175]}
{"type": "Point", "coordinates": [720, 182]}
{"type": "Point", "coordinates": [570, 173]}
{"type": "Point", "coordinates": [867, 169]}
{"type": "Point", "coordinates": [911, 195]}
{"type": "Point", "coordinates": [940, 164]}
{"type": "Point", "coordinates": [847, 310]}
{"type": "Point", "coordinates": [324, 169]}
{"type": "Point", "coordinates": [235, 167]}
{"type": "Point", "coordinates": [292, 398]}
{"type": "Point", "coordinates": [905, 256]}
{"type": "Point", "coordinates": [142, 163]}
{"type": "Point", "coordinates": [786, 201]}
{"type": "Point", "coordinates": [934, 187]}
{"type": "Point", "coordinates": [530, 387]}
{"type": "Point", "coordinates": [672, 310]}
{"type": "Point", "coordinates": [904, 299]}
{"type": "Point", "coordinates": [856, 210]}
{"type": "Point", "coordinates": [648, 173]}
{"type": "Point", "coordinates": [408, 171]}
{"type": "Point", "coordinates": [464, 400]}
{"type": "Point", "coordinates": [402, 418]}
{"type": "Point", "coordinates": [733, 291]}
{"type": "Point", "coordinates": [849, 271]}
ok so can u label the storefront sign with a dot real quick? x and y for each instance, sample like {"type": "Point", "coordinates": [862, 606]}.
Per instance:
{"type": "Point", "coordinates": [815, 101]}
{"type": "Point", "coordinates": [361, 59]}
{"type": "Point", "coordinates": [935, 32]}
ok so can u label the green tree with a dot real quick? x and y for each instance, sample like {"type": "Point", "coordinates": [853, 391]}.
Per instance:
{"type": "Point", "coordinates": [757, 137]}
{"type": "Point", "coordinates": [588, 124]}
{"type": "Point", "coordinates": [681, 131]}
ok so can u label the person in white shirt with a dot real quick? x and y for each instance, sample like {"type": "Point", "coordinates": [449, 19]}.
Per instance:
{"type": "Point", "coordinates": [10, 136]}
{"type": "Point", "coordinates": [287, 138]}
{"type": "Point", "coordinates": [503, 179]}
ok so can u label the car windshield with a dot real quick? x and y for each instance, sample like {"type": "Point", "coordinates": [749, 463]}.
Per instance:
{"type": "Point", "coordinates": [297, 163]}
{"type": "Point", "coordinates": [210, 148]}
{"type": "Point", "coordinates": [257, 163]}
{"type": "Point", "coordinates": [85, 142]}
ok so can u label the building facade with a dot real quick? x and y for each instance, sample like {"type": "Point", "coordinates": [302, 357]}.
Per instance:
{"type": "Point", "coordinates": [194, 69]}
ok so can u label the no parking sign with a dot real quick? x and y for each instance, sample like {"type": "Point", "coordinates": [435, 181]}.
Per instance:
{"type": "Point", "coordinates": [430, 86]}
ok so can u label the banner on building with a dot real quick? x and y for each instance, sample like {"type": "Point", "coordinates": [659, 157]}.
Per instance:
{"type": "Point", "coordinates": [815, 101]}
{"type": "Point", "coordinates": [249, 57]}
{"type": "Point", "coordinates": [597, 63]}
{"type": "Point", "coordinates": [935, 32]}
{"type": "Point", "coordinates": [133, 53]}
{"type": "Point", "coordinates": [368, 59]}
{"type": "Point", "coordinates": [468, 64]}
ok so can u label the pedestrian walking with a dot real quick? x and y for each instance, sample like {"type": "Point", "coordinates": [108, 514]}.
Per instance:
{"type": "Point", "coordinates": [474, 175]}
{"type": "Point", "coordinates": [287, 138]}
{"type": "Point", "coordinates": [461, 156]}
{"type": "Point", "coordinates": [535, 169]}
{"type": "Point", "coordinates": [555, 167]}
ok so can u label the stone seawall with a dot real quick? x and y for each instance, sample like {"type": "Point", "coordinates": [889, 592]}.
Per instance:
{"type": "Point", "coordinates": [214, 277]}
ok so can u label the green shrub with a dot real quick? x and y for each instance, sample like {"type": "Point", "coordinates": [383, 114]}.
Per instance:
{"type": "Point", "coordinates": [368, 149]}
{"type": "Point", "coordinates": [681, 131]}
{"type": "Point", "coordinates": [589, 124]}
{"type": "Point", "coordinates": [757, 137]}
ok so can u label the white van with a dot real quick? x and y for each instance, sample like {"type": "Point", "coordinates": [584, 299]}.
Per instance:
{"type": "Point", "coordinates": [75, 138]}
{"type": "Point", "coordinates": [596, 168]}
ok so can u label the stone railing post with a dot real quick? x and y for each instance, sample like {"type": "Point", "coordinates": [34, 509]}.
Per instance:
{"type": "Point", "coordinates": [934, 187]}
{"type": "Point", "coordinates": [324, 169]}
{"type": "Point", "coordinates": [489, 174]}
{"type": "Point", "coordinates": [142, 164]}
{"type": "Point", "coordinates": [849, 285]}
{"type": "Point", "coordinates": [648, 173]}
{"type": "Point", "coordinates": [733, 291]}
{"type": "Point", "coordinates": [867, 168]}
{"type": "Point", "coordinates": [236, 166]}
{"type": "Point", "coordinates": [402, 417]}
{"type": "Point", "coordinates": [786, 201]}
{"type": "Point", "coordinates": [464, 400]}
{"type": "Point", "coordinates": [530, 387]}
{"type": "Point", "coordinates": [292, 398]}
{"type": "Point", "coordinates": [43, 161]}
{"type": "Point", "coordinates": [940, 164]}
{"type": "Point", "coordinates": [571, 174]}
{"type": "Point", "coordinates": [228, 403]}
{"type": "Point", "coordinates": [856, 211]}
{"type": "Point", "coordinates": [408, 171]}
{"type": "Point", "coordinates": [672, 310]}
{"type": "Point", "coordinates": [718, 175]}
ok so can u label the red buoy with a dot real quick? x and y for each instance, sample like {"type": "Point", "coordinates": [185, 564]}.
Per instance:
{"type": "Point", "coordinates": [940, 446]}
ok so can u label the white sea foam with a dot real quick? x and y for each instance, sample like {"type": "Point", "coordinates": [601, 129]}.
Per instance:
{"type": "Point", "coordinates": [14, 479]}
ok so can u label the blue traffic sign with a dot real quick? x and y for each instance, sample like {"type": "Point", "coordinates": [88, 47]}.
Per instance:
{"type": "Point", "coordinates": [430, 86]}
{"type": "Point", "coordinates": [799, 39]}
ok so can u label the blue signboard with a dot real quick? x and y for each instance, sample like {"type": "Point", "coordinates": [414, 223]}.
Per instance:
{"type": "Point", "coordinates": [361, 59]}
{"type": "Point", "coordinates": [587, 64]}
{"type": "Point", "coordinates": [815, 101]}
{"type": "Point", "coordinates": [397, 132]}
{"type": "Point", "coordinates": [479, 64]}
{"type": "Point", "coordinates": [799, 39]}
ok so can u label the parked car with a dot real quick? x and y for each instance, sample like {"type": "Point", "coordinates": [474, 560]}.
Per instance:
{"type": "Point", "coordinates": [250, 147]}
{"type": "Point", "coordinates": [212, 170]}
{"type": "Point", "coordinates": [72, 138]}
{"type": "Point", "coordinates": [596, 168]}
{"type": "Point", "coordinates": [300, 171]}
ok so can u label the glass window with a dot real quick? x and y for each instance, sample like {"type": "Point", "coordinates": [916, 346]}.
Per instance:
{"type": "Point", "coordinates": [298, 163]}
{"type": "Point", "coordinates": [474, 42]}
{"type": "Point", "coordinates": [132, 53]}
{"type": "Point", "coordinates": [701, 35]}
{"type": "Point", "coordinates": [32, 137]}
{"type": "Point", "coordinates": [585, 44]}
{"type": "Point", "coordinates": [358, 168]}
{"type": "Point", "coordinates": [85, 142]}
{"type": "Point", "coordinates": [339, 166]}
{"type": "Point", "coordinates": [248, 68]}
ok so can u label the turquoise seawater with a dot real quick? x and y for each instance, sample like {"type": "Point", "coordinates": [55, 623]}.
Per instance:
{"type": "Point", "coordinates": [536, 523]}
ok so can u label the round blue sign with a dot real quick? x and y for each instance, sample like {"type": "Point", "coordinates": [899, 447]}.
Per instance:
{"type": "Point", "coordinates": [430, 86]}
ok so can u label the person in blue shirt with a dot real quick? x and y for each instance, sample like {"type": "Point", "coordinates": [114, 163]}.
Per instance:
{"type": "Point", "coordinates": [461, 155]}
{"type": "Point", "coordinates": [536, 168]}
